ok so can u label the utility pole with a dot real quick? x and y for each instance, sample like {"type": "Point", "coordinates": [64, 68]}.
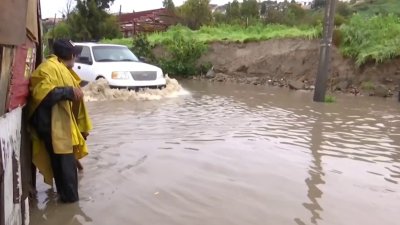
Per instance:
{"type": "Point", "coordinates": [325, 52]}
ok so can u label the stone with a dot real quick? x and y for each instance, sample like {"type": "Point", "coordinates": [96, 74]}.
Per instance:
{"type": "Point", "coordinates": [342, 86]}
{"type": "Point", "coordinates": [242, 69]}
{"type": "Point", "coordinates": [382, 91]}
{"type": "Point", "coordinates": [210, 74]}
{"type": "Point", "coordinates": [296, 85]}
{"type": "Point", "coordinates": [220, 77]}
{"type": "Point", "coordinates": [252, 80]}
{"type": "Point", "coordinates": [387, 80]}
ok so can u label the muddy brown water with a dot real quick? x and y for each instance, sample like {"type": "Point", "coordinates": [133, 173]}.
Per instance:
{"type": "Point", "coordinates": [237, 155]}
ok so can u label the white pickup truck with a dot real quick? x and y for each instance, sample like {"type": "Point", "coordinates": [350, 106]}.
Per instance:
{"type": "Point", "coordinates": [118, 65]}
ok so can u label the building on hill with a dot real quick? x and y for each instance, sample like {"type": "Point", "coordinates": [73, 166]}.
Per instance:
{"type": "Point", "coordinates": [148, 21]}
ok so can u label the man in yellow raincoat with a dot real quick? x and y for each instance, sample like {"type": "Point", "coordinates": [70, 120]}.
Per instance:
{"type": "Point", "coordinates": [59, 120]}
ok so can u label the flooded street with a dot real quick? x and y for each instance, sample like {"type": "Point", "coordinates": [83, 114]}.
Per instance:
{"type": "Point", "coordinates": [238, 155]}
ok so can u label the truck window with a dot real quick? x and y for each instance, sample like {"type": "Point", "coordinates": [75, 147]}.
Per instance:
{"type": "Point", "coordinates": [84, 56]}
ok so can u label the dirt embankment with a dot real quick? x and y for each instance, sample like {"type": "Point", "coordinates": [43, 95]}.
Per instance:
{"type": "Point", "coordinates": [293, 63]}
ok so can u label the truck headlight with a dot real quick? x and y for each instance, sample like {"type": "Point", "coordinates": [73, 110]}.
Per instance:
{"type": "Point", "coordinates": [120, 75]}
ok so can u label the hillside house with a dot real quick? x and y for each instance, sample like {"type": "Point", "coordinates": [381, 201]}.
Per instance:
{"type": "Point", "coordinates": [146, 21]}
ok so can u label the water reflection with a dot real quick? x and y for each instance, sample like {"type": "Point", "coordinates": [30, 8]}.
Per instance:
{"type": "Point", "coordinates": [316, 174]}
{"type": "Point", "coordinates": [55, 213]}
{"type": "Point", "coordinates": [50, 211]}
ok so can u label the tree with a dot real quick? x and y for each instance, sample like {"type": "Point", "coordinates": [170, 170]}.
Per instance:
{"type": "Point", "coordinates": [219, 18]}
{"type": "Point", "coordinates": [263, 8]}
{"type": "Point", "coordinates": [317, 4]}
{"type": "Point", "coordinates": [169, 4]}
{"type": "Point", "coordinates": [249, 9]}
{"type": "Point", "coordinates": [297, 11]}
{"type": "Point", "coordinates": [103, 4]}
{"type": "Point", "coordinates": [343, 9]}
{"type": "Point", "coordinates": [228, 9]}
{"type": "Point", "coordinates": [285, 13]}
{"type": "Point", "coordinates": [196, 13]}
{"type": "Point", "coordinates": [234, 12]}
{"type": "Point", "coordinates": [68, 9]}
{"type": "Point", "coordinates": [90, 21]}
{"type": "Point", "coordinates": [62, 30]}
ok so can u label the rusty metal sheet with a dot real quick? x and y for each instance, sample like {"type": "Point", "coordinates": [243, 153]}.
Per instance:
{"type": "Point", "coordinates": [10, 138]}
{"type": "Point", "coordinates": [23, 66]}
{"type": "Point", "coordinates": [13, 21]}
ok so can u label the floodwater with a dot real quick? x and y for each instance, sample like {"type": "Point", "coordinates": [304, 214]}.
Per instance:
{"type": "Point", "coordinates": [239, 155]}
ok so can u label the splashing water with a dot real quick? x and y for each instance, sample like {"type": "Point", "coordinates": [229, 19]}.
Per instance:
{"type": "Point", "coordinates": [100, 91]}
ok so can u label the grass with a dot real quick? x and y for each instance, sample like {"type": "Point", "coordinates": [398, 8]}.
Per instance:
{"type": "Point", "coordinates": [237, 33]}
{"type": "Point", "coordinates": [330, 99]}
{"type": "Point", "coordinates": [375, 39]}
{"type": "Point", "coordinates": [230, 33]}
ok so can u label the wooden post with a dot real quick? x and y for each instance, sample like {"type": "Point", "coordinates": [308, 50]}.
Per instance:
{"type": "Point", "coordinates": [6, 58]}
{"type": "Point", "coordinates": [134, 28]}
{"type": "Point", "coordinates": [54, 25]}
{"type": "Point", "coordinates": [325, 52]}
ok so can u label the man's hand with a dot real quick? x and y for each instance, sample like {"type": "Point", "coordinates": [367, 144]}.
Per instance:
{"type": "Point", "coordinates": [78, 94]}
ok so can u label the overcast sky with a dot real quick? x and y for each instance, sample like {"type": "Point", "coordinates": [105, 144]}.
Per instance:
{"type": "Point", "coordinates": [51, 7]}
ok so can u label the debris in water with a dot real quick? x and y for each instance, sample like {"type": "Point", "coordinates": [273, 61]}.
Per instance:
{"type": "Point", "coordinates": [100, 91]}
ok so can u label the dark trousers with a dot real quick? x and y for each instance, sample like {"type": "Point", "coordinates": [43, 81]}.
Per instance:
{"type": "Point", "coordinates": [64, 171]}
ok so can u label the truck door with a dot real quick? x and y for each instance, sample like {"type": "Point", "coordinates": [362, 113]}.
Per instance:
{"type": "Point", "coordinates": [84, 64]}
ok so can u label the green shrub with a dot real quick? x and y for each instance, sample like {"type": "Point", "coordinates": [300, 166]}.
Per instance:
{"type": "Point", "coordinates": [205, 67]}
{"type": "Point", "coordinates": [184, 52]}
{"type": "Point", "coordinates": [339, 20]}
{"type": "Point", "coordinates": [367, 86]}
{"type": "Point", "coordinates": [142, 47]}
{"type": "Point", "coordinates": [337, 38]}
{"type": "Point", "coordinates": [330, 99]}
{"type": "Point", "coordinates": [374, 38]}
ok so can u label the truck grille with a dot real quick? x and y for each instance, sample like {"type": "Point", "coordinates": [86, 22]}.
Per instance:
{"type": "Point", "coordinates": [144, 75]}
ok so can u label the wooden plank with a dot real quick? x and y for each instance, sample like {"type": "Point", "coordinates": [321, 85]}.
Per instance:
{"type": "Point", "coordinates": [5, 75]}
{"type": "Point", "coordinates": [13, 21]}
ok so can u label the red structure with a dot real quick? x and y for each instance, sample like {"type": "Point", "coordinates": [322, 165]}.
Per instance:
{"type": "Point", "coordinates": [146, 21]}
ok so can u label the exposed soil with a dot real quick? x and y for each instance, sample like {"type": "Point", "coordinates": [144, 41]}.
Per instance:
{"type": "Point", "coordinates": [294, 61]}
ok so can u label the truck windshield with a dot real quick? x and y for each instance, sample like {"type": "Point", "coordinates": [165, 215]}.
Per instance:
{"type": "Point", "coordinates": [113, 54]}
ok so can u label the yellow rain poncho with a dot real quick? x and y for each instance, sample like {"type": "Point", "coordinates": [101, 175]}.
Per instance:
{"type": "Point", "coordinates": [68, 119]}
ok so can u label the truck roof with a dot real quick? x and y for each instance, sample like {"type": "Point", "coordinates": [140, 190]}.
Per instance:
{"type": "Point", "coordinates": [91, 44]}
